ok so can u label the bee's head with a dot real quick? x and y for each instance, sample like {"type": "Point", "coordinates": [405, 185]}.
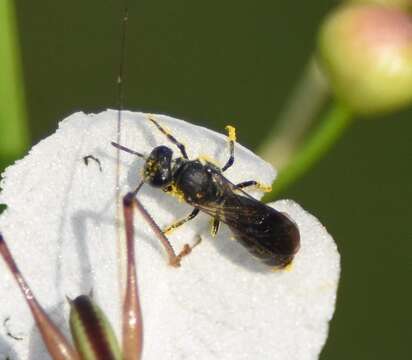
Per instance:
{"type": "Point", "coordinates": [157, 169]}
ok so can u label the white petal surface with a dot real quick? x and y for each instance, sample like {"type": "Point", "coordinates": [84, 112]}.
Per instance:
{"type": "Point", "coordinates": [221, 304]}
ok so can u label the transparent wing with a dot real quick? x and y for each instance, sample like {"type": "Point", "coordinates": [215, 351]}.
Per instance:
{"type": "Point", "coordinates": [236, 210]}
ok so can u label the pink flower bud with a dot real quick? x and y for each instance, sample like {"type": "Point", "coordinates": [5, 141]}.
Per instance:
{"type": "Point", "coordinates": [366, 52]}
{"type": "Point", "coordinates": [401, 4]}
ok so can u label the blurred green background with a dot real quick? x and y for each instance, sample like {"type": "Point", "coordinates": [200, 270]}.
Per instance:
{"type": "Point", "coordinates": [236, 62]}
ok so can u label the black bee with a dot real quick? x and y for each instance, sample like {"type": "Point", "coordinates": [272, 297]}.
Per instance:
{"type": "Point", "coordinates": [266, 233]}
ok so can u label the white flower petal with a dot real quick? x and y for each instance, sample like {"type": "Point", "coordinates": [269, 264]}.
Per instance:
{"type": "Point", "coordinates": [221, 304]}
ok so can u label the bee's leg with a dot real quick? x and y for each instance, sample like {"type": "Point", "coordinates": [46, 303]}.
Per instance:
{"type": "Point", "coordinates": [130, 202]}
{"type": "Point", "coordinates": [231, 134]}
{"type": "Point", "coordinates": [215, 227]}
{"type": "Point", "coordinates": [256, 184]}
{"type": "Point", "coordinates": [170, 137]}
{"type": "Point", "coordinates": [187, 249]}
{"type": "Point", "coordinates": [180, 222]}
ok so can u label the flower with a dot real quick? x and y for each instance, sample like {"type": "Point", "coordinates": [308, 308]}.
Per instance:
{"type": "Point", "coordinates": [221, 303]}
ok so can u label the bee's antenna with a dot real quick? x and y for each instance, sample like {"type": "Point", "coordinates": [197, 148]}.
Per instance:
{"type": "Point", "coordinates": [124, 148]}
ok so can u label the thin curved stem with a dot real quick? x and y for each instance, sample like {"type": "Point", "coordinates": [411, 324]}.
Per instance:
{"type": "Point", "coordinates": [297, 116]}
{"type": "Point", "coordinates": [334, 123]}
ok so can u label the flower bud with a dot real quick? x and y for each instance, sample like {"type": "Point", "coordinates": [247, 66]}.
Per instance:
{"type": "Point", "coordinates": [401, 4]}
{"type": "Point", "coordinates": [366, 52]}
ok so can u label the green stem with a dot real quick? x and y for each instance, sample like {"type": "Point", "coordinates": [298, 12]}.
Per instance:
{"type": "Point", "coordinates": [13, 124]}
{"type": "Point", "coordinates": [330, 129]}
{"type": "Point", "coordinates": [297, 116]}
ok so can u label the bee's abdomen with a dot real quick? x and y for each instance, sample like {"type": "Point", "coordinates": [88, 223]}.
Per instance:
{"type": "Point", "coordinates": [267, 234]}
{"type": "Point", "coordinates": [276, 250]}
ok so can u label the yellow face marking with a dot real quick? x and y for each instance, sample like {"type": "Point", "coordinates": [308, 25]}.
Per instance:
{"type": "Point", "coordinates": [149, 168]}
{"type": "Point", "coordinates": [231, 132]}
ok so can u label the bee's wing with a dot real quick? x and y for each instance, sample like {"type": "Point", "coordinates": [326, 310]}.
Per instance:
{"type": "Point", "coordinates": [235, 210]}
{"type": "Point", "coordinates": [264, 231]}
{"type": "Point", "coordinates": [233, 188]}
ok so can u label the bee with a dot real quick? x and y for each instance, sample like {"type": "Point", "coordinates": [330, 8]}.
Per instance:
{"type": "Point", "coordinates": [266, 233]}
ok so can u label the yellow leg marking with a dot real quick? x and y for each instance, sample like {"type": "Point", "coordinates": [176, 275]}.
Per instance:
{"type": "Point", "coordinates": [264, 187]}
{"type": "Point", "coordinates": [258, 186]}
{"type": "Point", "coordinates": [214, 227]}
{"type": "Point", "coordinates": [231, 132]}
{"type": "Point", "coordinates": [169, 229]}
{"type": "Point", "coordinates": [180, 222]}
